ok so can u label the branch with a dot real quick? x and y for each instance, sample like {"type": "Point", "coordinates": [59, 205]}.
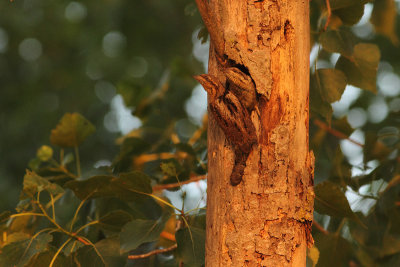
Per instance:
{"type": "Point", "coordinates": [151, 253]}
{"type": "Point", "coordinates": [328, 19]}
{"type": "Point", "coordinates": [168, 236]}
{"type": "Point", "coordinates": [152, 157]}
{"type": "Point", "coordinates": [336, 133]}
{"type": "Point", "coordinates": [168, 186]}
{"type": "Point", "coordinates": [320, 228]}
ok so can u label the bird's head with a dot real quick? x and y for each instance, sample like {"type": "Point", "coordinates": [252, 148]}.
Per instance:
{"type": "Point", "coordinates": [211, 84]}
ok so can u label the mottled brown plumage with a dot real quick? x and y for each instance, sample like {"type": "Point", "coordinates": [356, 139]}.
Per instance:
{"type": "Point", "coordinates": [242, 86]}
{"type": "Point", "coordinates": [234, 119]}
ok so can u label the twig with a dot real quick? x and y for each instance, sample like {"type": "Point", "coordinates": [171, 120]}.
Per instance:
{"type": "Point", "coordinates": [336, 133]}
{"type": "Point", "coordinates": [320, 228]}
{"type": "Point", "coordinates": [197, 134]}
{"type": "Point", "coordinates": [168, 186]}
{"type": "Point", "coordinates": [151, 253]}
{"type": "Point", "coordinates": [152, 157]}
{"type": "Point", "coordinates": [78, 161]}
{"type": "Point", "coordinates": [328, 19]}
{"type": "Point", "coordinates": [54, 222]}
{"type": "Point", "coordinates": [83, 241]}
{"type": "Point", "coordinates": [168, 236]}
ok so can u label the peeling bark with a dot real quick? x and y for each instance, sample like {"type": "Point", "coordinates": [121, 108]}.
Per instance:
{"type": "Point", "coordinates": [266, 219]}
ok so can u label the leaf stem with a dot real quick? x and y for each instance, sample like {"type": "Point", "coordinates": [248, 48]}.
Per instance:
{"type": "Point", "coordinates": [90, 243]}
{"type": "Point", "coordinates": [71, 235]}
{"type": "Point", "coordinates": [58, 251]}
{"type": "Point", "coordinates": [78, 162]}
{"type": "Point", "coordinates": [86, 225]}
{"type": "Point", "coordinates": [27, 214]}
{"type": "Point", "coordinates": [62, 157]}
{"type": "Point", "coordinates": [340, 226]}
{"type": "Point", "coordinates": [329, 10]}
{"type": "Point", "coordinates": [52, 206]}
{"type": "Point", "coordinates": [167, 186]}
{"type": "Point", "coordinates": [320, 228]}
{"type": "Point", "coordinates": [157, 198]}
{"type": "Point", "coordinates": [334, 132]}
{"type": "Point", "coordinates": [33, 238]}
{"type": "Point", "coordinates": [53, 221]}
{"type": "Point", "coordinates": [151, 253]}
{"type": "Point", "coordinates": [77, 211]}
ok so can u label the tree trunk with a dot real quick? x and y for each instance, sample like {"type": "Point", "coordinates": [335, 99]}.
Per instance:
{"type": "Point", "coordinates": [266, 219]}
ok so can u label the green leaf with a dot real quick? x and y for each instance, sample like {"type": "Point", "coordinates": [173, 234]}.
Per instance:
{"type": "Point", "coordinates": [384, 19]}
{"type": "Point", "coordinates": [20, 252]}
{"type": "Point", "coordinates": [135, 181]}
{"type": "Point", "coordinates": [34, 164]}
{"type": "Point", "coordinates": [313, 255]}
{"type": "Point", "coordinates": [367, 56]}
{"type": "Point", "coordinates": [68, 158]}
{"type": "Point", "coordinates": [96, 186]}
{"type": "Point", "coordinates": [133, 146]}
{"type": "Point", "coordinates": [317, 104]}
{"type": "Point", "coordinates": [129, 186]}
{"type": "Point", "coordinates": [198, 220]}
{"type": "Point", "coordinates": [375, 148]}
{"type": "Point", "coordinates": [71, 247]}
{"type": "Point", "coordinates": [338, 41]}
{"type": "Point", "coordinates": [133, 93]}
{"type": "Point", "coordinates": [43, 259]}
{"type": "Point", "coordinates": [24, 205]}
{"type": "Point", "coordinates": [378, 238]}
{"type": "Point", "coordinates": [350, 15]}
{"type": "Point", "coordinates": [168, 168]}
{"type": "Point", "coordinates": [16, 237]}
{"type": "Point", "coordinates": [365, 258]}
{"type": "Point", "coordinates": [109, 248]}
{"type": "Point", "coordinates": [190, 9]}
{"type": "Point", "coordinates": [146, 208]}
{"type": "Point", "coordinates": [4, 215]}
{"type": "Point", "coordinates": [130, 147]}
{"type": "Point", "coordinates": [71, 131]}
{"type": "Point", "coordinates": [203, 35]}
{"type": "Point", "coordinates": [338, 4]}
{"type": "Point", "coordinates": [331, 84]}
{"type": "Point", "coordinates": [389, 135]}
{"type": "Point", "coordinates": [114, 220]}
{"type": "Point", "coordinates": [330, 200]}
{"type": "Point", "coordinates": [334, 250]}
{"type": "Point", "coordinates": [140, 231]}
{"type": "Point", "coordinates": [44, 153]}
{"type": "Point", "coordinates": [87, 256]}
{"type": "Point", "coordinates": [175, 171]}
{"type": "Point", "coordinates": [191, 246]}
{"type": "Point", "coordinates": [391, 245]}
{"type": "Point", "coordinates": [343, 126]}
{"type": "Point", "coordinates": [33, 184]}
{"type": "Point", "coordinates": [361, 70]}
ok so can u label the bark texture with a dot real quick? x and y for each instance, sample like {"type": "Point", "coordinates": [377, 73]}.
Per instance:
{"type": "Point", "coordinates": [266, 219]}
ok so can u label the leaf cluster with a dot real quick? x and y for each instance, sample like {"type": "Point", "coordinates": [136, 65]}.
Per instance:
{"type": "Point", "coordinates": [110, 218]}
{"type": "Point", "coordinates": [356, 204]}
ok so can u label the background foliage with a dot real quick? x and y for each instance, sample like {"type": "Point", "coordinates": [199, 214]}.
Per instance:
{"type": "Point", "coordinates": [93, 189]}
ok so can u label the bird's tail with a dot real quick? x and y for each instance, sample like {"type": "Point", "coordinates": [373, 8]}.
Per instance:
{"type": "Point", "coordinates": [238, 168]}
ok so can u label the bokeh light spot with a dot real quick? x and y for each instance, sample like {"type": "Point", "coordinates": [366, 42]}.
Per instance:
{"type": "Point", "coordinates": [113, 43]}
{"type": "Point", "coordinates": [75, 12]}
{"type": "Point", "coordinates": [30, 49]}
